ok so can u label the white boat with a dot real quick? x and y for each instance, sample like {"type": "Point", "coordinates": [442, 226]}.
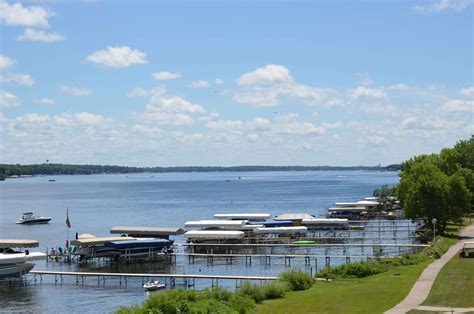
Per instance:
{"type": "Point", "coordinates": [30, 219]}
{"type": "Point", "coordinates": [153, 285]}
{"type": "Point", "coordinates": [15, 263]}
{"type": "Point", "coordinates": [213, 234]}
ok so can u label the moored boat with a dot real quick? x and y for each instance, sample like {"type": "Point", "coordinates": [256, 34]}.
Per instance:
{"type": "Point", "coordinates": [30, 218]}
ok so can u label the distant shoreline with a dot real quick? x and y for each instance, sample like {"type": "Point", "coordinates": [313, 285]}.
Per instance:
{"type": "Point", "coordinates": [21, 171]}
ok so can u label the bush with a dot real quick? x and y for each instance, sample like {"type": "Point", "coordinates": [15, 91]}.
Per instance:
{"type": "Point", "coordinates": [354, 270]}
{"type": "Point", "coordinates": [296, 280]}
{"type": "Point", "coordinates": [275, 290]}
{"type": "Point", "coordinates": [253, 291]}
{"type": "Point", "coordinates": [242, 304]}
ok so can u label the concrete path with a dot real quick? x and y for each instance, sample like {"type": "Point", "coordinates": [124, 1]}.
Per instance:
{"type": "Point", "coordinates": [420, 290]}
{"type": "Point", "coordinates": [444, 309]}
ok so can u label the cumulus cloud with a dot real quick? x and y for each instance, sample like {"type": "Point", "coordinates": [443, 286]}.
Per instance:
{"type": "Point", "coordinates": [468, 92]}
{"type": "Point", "coordinates": [268, 74]}
{"type": "Point", "coordinates": [173, 110]}
{"type": "Point", "coordinates": [6, 62]}
{"type": "Point", "coordinates": [35, 35]}
{"type": "Point", "coordinates": [218, 81]}
{"type": "Point", "coordinates": [8, 100]}
{"type": "Point", "coordinates": [76, 91]}
{"type": "Point", "coordinates": [143, 92]}
{"type": "Point", "coordinates": [45, 101]}
{"type": "Point", "coordinates": [200, 84]}
{"type": "Point", "coordinates": [458, 105]}
{"type": "Point", "coordinates": [363, 92]}
{"type": "Point", "coordinates": [22, 79]}
{"type": "Point", "coordinates": [165, 75]}
{"type": "Point", "coordinates": [443, 5]}
{"type": "Point", "coordinates": [18, 15]}
{"type": "Point", "coordinates": [118, 57]}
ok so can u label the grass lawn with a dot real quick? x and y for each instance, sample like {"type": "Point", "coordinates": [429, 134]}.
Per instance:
{"type": "Point", "coordinates": [454, 286]}
{"type": "Point", "coordinates": [373, 294]}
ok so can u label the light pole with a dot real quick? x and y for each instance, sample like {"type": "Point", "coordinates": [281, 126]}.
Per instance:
{"type": "Point", "coordinates": [434, 221]}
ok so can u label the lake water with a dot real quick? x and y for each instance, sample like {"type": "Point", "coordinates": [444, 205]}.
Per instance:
{"type": "Point", "coordinates": [98, 202]}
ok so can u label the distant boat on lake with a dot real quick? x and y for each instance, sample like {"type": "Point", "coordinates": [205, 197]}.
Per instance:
{"type": "Point", "coordinates": [31, 219]}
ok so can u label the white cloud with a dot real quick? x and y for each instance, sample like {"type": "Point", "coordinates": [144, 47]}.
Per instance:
{"type": "Point", "coordinates": [268, 74]}
{"type": "Point", "coordinates": [6, 62]}
{"type": "Point", "coordinates": [118, 57]}
{"type": "Point", "coordinates": [468, 92]}
{"type": "Point", "coordinates": [169, 110]}
{"type": "Point", "coordinates": [334, 125]}
{"type": "Point", "coordinates": [363, 92]}
{"type": "Point", "coordinates": [165, 75]}
{"type": "Point", "coordinates": [8, 100]}
{"type": "Point", "coordinates": [88, 118]}
{"type": "Point", "coordinates": [142, 92]}
{"type": "Point", "coordinates": [75, 91]}
{"type": "Point", "coordinates": [45, 101]}
{"type": "Point", "coordinates": [18, 15]}
{"type": "Point", "coordinates": [398, 87]}
{"type": "Point", "coordinates": [257, 96]}
{"type": "Point", "coordinates": [218, 81]}
{"type": "Point", "coordinates": [373, 140]}
{"type": "Point", "coordinates": [458, 105]}
{"type": "Point", "coordinates": [199, 84]}
{"type": "Point", "coordinates": [35, 35]}
{"type": "Point", "coordinates": [22, 79]}
{"type": "Point", "coordinates": [443, 5]}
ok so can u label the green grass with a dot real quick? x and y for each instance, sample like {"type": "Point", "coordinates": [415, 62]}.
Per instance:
{"type": "Point", "coordinates": [373, 294]}
{"type": "Point", "coordinates": [454, 286]}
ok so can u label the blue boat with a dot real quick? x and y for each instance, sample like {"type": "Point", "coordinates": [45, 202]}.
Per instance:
{"type": "Point", "coordinates": [283, 223]}
{"type": "Point", "coordinates": [135, 244]}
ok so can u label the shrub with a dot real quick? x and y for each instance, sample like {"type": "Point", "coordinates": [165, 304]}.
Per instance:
{"type": "Point", "coordinates": [354, 270]}
{"type": "Point", "coordinates": [242, 304]}
{"type": "Point", "coordinates": [275, 290]}
{"type": "Point", "coordinates": [253, 291]}
{"type": "Point", "coordinates": [296, 280]}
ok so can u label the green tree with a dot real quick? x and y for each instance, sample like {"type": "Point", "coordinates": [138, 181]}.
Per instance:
{"type": "Point", "coordinates": [386, 196]}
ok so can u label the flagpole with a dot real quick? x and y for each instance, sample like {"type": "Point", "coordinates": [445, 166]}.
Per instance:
{"type": "Point", "coordinates": [67, 227]}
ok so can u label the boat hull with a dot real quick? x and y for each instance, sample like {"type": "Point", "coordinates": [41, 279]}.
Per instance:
{"type": "Point", "coordinates": [15, 270]}
{"type": "Point", "coordinates": [34, 222]}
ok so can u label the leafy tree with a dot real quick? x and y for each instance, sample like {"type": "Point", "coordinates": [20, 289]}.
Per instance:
{"type": "Point", "coordinates": [386, 196]}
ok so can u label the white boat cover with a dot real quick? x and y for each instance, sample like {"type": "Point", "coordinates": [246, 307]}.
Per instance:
{"type": "Point", "coordinates": [297, 216]}
{"type": "Point", "coordinates": [214, 234]}
{"type": "Point", "coordinates": [281, 230]}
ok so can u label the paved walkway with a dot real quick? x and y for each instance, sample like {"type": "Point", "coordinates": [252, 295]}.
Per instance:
{"type": "Point", "coordinates": [420, 290]}
{"type": "Point", "coordinates": [444, 309]}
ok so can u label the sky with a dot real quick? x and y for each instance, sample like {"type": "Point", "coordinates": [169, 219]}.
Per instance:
{"type": "Point", "coordinates": [178, 83]}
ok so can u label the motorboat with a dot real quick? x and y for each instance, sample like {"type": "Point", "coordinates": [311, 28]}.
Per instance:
{"type": "Point", "coordinates": [14, 263]}
{"type": "Point", "coordinates": [30, 219]}
{"type": "Point", "coordinates": [153, 285]}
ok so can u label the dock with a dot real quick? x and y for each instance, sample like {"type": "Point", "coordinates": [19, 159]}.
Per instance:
{"type": "Point", "coordinates": [170, 279]}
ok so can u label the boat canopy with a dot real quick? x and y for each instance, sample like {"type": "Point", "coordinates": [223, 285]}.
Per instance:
{"type": "Point", "coordinates": [147, 231]}
{"type": "Point", "coordinates": [297, 216]}
{"type": "Point", "coordinates": [155, 243]}
{"type": "Point", "coordinates": [281, 230]}
{"type": "Point", "coordinates": [99, 241]}
{"type": "Point", "coordinates": [325, 221]}
{"type": "Point", "coordinates": [5, 243]}
{"type": "Point", "coordinates": [216, 223]}
{"type": "Point", "coordinates": [244, 216]}
{"type": "Point", "coordinates": [86, 236]}
{"type": "Point", "coordinates": [214, 234]}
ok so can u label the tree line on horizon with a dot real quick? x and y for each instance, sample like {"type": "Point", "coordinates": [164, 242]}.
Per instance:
{"type": "Point", "coordinates": [9, 170]}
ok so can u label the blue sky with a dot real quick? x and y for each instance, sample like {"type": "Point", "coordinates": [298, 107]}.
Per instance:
{"type": "Point", "coordinates": [210, 83]}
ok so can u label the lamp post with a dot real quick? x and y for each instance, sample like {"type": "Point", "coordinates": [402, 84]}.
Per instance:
{"type": "Point", "coordinates": [434, 221]}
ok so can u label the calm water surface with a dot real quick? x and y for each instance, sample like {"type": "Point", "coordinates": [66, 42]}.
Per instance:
{"type": "Point", "coordinates": [98, 202]}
